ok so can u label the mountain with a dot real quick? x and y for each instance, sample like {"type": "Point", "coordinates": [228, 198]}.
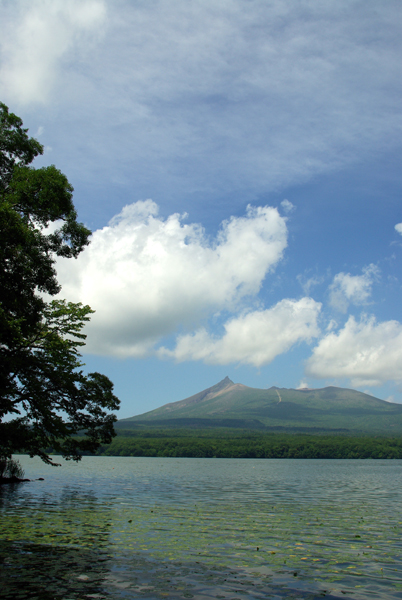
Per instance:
{"type": "Point", "coordinates": [228, 404]}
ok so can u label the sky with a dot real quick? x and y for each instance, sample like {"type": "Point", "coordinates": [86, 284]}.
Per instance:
{"type": "Point", "coordinates": [239, 165]}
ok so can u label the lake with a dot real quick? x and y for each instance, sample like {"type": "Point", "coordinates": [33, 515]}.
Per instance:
{"type": "Point", "coordinates": [124, 528]}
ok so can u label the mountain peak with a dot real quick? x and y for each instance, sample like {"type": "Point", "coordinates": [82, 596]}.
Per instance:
{"type": "Point", "coordinates": [225, 382]}
{"type": "Point", "coordinates": [214, 389]}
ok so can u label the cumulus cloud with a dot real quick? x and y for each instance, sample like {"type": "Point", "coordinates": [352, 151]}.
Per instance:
{"type": "Point", "coordinates": [39, 36]}
{"type": "Point", "coordinates": [398, 228]}
{"type": "Point", "coordinates": [366, 352]}
{"type": "Point", "coordinates": [146, 276]}
{"type": "Point", "coordinates": [354, 289]}
{"type": "Point", "coordinates": [255, 338]}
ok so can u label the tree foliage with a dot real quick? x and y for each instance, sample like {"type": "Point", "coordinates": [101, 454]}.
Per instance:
{"type": "Point", "coordinates": [10, 468]}
{"type": "Point", "coordinates": [45, 399]}
{"type": "Point", "coordinates": [207, 444]}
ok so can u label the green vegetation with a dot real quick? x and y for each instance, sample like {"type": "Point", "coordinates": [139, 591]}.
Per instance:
{"type": "Point", "coordinates": [45, 399]}
{"type": "Point", "coordinates": [234, 405]}
{"type": "Point", "coordinates": [231, 420]}
{"type": "Point", "coordinates": [242, 444]}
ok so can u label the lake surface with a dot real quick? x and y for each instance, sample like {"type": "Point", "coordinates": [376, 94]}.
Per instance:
{"type": "Point", "coordinates": [123, 528]}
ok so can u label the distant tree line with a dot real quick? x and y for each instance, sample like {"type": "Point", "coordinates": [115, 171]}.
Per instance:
{"type": "Point", "coordinates": [253, 446]}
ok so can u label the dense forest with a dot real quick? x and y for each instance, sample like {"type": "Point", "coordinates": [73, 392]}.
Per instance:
{"type": "Point", "coordinates": [213, 444]}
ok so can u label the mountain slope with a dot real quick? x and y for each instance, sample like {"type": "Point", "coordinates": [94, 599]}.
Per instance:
{"type": "Point", "coordinates": [236, 405]}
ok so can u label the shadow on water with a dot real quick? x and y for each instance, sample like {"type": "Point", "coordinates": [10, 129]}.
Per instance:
{"type": "Point", "coordinates": [44, 572]}
{"type": "Point", "coordinates": [51, 550]}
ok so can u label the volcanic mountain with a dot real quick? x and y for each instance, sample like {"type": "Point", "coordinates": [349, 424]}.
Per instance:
{"type": "Point", "coordinates": [228, 404]}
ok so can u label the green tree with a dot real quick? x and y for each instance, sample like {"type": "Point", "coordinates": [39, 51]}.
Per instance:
{"type": "Point", "coordinates": [45, 399]}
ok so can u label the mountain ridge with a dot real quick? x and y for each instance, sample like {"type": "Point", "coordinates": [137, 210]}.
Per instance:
{"type": "Point", "coordinates": [328, 408]}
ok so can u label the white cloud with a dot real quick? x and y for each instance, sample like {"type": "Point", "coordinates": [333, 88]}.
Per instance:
{"type": "Point", "coordinates": [355, 289]}
{"type": "Point", "coordinates": [38, 36]}
{"type": "Point", "coordinates": [287, 206]}
{"type": "Point", "coordinates": [146, 276]}
{"type": "Point", "coordinates": [398, 228]}
{"type": "Point", "coordinates": [366, 352]}
{"type": "Point", "coordinates": [303, 385]}
{"type": "Point", "coordinates": [255, 338]}
{"type": "Point", "coordinates": [297, 85]}
{"type": "Point", "coordinates": [208, 97]}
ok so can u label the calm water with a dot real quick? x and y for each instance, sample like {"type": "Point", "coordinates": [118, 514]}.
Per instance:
{"type": "Point", "coordinates": [125, 528]}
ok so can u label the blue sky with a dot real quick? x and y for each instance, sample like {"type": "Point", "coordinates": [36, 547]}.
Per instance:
{"type": "Point", "coordinates": [239, 165]}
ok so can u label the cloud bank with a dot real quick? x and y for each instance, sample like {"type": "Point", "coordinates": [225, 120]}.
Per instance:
{"type": "Point", "coordinates": [366, 352]}
{"type": "Point", "coordinates": [146, 277]}
{"type": "Point", "coordinates": [255, 338]}
{"type": "Point", "coordinates": [162, 287]}
{"type": "Point", "coordinates": [206, 97]}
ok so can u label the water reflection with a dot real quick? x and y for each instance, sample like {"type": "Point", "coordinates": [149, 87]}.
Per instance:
{"type": "Point", "coordinates": [181, 528]}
